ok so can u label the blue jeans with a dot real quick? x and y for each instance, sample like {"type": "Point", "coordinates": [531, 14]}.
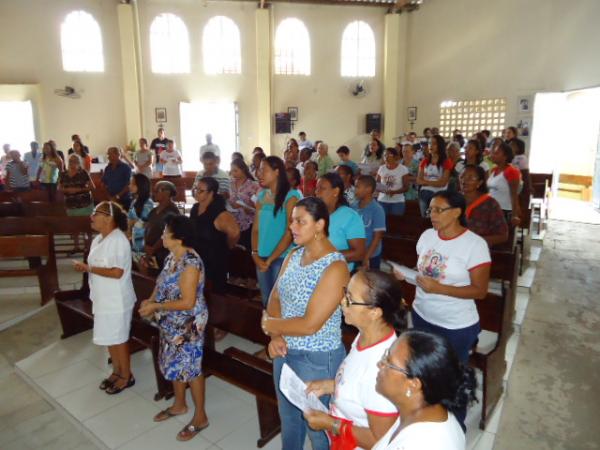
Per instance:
{"type": "Point", "coordinates": [309, 366]}
{"type": "Point", "coordinates": [462, 341]}
{"type": "Point", "coordinates": [425, 196]}
{"type": "Point", "coordinates": [393, 209]}
{"type": "Point", "coordinates": [266, 280]}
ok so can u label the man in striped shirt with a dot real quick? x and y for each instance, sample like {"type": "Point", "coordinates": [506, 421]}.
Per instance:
{"type": "Point", "coordinates": [211, 169]}
{"type": "Point", "coordinates": [16, 173]}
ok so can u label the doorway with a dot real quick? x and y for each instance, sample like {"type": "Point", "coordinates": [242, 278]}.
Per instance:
{"type": "Point", "coordinates": [565, 142]}
{"type": "Point", "coordinates": [16, 125]}
{"type": "Point", "coordinates": [220, 119]}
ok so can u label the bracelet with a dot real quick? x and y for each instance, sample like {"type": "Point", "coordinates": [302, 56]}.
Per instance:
{"type": "Point", "coordinates": [255, 252]}
{"type": "Point", "coordinates": [336, 428]}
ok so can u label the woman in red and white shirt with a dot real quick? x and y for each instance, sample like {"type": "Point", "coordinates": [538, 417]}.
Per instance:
{"type": "Point", "coordinates": [434, 172]}
{"type": "Point", "coordinates": [358, 414]}
{"type": "Point", "coordinates": [503, 182]}
{"type": "Point", "coordinates": [454, 270]}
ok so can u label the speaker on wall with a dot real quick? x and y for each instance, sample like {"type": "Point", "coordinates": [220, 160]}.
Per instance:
{"type": "Point", "coordinates": [283, 123]}
{"type": "Point", "coordinates": [373, 122]}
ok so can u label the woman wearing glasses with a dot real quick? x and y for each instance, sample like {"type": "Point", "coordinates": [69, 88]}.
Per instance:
{"type": "Point", "coordinates": [303, 315]}
{"type": "Point", "coordinates": [111, 291]}
{"type": "Point", "coordinates": [454, 269]}
{"type": "Point", "coordinates": [422, 376]}
{"type": "Point", "coordinates": [358, 415]}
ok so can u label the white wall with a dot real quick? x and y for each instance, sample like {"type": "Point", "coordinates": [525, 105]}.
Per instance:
{"type": "Point", "coordinates": [30, 54]}
{"type": "Point", "coordinates": [168, 90]}
{"type": "Point", "coordinates": [327, 110]}
{"type": "Point", "coordinates": [470, 49]}
{"type": "Point", "coordinates": [459, 49]}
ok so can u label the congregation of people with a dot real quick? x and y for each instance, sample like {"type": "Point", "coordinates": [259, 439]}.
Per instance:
{"type": "Point", "coordinates": [314, 227]}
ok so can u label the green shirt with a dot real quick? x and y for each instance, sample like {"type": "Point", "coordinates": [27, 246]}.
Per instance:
{"type": "Point", "coordinates": [325, 164]}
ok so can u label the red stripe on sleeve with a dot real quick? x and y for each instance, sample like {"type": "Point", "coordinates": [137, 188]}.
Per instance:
{"type": "Point", "coordinates": [382, 414]}
{"type": "Point", "coordinates": [489, 263]}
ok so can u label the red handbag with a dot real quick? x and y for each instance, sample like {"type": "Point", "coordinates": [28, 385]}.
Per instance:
{"type": "Point", "coordinates": [346, 439]}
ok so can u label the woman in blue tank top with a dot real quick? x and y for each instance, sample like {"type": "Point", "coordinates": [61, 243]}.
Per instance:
{"type": "Point", "coordinates": [303, 316]}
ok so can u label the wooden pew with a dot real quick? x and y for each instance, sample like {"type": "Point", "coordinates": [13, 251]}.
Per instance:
{"type": "Point", "coordinates": [35, 246]}
{"type": "Point", "coordinates": [242, 369]}
{"type": "Point", "coordinates": [400, 250]}
{"type": "Point", "coordinates": [407, 227]}
{"type": "Point", "coordinates": [488, 354]}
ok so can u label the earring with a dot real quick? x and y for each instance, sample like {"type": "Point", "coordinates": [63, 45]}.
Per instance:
{"type": "Point", "coordinates": [317, 237]}
{"type": "Point", "coordinates": [408, 393]}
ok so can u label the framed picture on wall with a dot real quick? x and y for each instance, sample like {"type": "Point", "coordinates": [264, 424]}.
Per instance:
{"type": "Point", "coordinates": [525, 105]}
{"type": "Point", "coordinates": [293, 112]}
{"type": "Point", "coordinates": [160, 115]}
{"type": "Point", "coordinates": [412, 113]}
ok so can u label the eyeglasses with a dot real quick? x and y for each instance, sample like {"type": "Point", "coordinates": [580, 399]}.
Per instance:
{"type": "Point", "coordinates": [348, 301]}
{"type": "Point", "coordinates": [436, 210]}
{"type": "Point", "coordinates": [384, 361]}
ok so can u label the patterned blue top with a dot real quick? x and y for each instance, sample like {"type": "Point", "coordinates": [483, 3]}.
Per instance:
{"type": "Point", "coordinates": [138, 230]}
{"type": "Point", "coordinates": [295, 287]}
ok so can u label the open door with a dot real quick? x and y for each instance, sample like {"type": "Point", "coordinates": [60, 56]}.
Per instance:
{"type": "Point", "coordinates": [596, 181]}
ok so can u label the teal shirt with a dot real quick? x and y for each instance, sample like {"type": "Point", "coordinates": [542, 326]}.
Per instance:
{"type": "Point", "coordinates": [344, 225]}
{"type": "Point", "coordinates": [352, 165]}
{"type": "Point", "coordinates": [271, 229]}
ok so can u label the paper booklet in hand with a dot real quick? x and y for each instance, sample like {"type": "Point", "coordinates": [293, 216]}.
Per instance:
{"type": "Point", "coordinates": [410, 275]}
{"type": "Point", "coordinates": [295, 391]}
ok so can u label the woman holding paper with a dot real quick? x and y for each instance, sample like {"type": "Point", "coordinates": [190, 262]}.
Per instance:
{"type": "Point", "coordinates": [454, 269]}
{"type": "Point", "coordinates": [242, 193]}
{"type": "Point", "coordinates": [358, 415]}
{"type": "Point", "coordinates": [303, 315]}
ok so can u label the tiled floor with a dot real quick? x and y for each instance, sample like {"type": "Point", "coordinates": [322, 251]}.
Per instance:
{"type": "Point", "coordinates": [66, 373]}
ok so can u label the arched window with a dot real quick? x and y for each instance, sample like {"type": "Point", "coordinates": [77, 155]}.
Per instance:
{"type": "Point", "coordinates": [358, 50]}
{"type": "Point", "coordinates": [81, 43]}
{"type": "Point", "coordinates": [292, 48]}
{"type": "Point", "coordinates": [221, 46]}
{"type": "Point", "coordinates": [169, 45]}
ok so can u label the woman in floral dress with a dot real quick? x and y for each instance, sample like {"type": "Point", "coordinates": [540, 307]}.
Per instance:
{"type": "Point", "coordinates": [178, 307]}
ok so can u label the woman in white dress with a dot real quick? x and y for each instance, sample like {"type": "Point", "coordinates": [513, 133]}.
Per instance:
{"type": "Point", "coordinates": [422, 376]}
{"type": "Point", "coordinates": [111, 291]}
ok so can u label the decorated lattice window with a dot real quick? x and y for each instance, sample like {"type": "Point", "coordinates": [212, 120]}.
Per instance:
{"type": "Point", "coordinates": [472, 116]}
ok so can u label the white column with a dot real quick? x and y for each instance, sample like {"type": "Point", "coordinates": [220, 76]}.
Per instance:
{"type": "Point", "coordinates": [131, 87]}
{"type": "Point", "coordinates": [394, 73]}
{"type": "Point", "coordinates": [263, 78]}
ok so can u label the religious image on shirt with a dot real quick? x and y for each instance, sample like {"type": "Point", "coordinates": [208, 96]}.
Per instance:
{"type": "Point", "coordinates": [339, 376]}
{"type": "Point", "coordinates": [433, 264]}
{"type": "Point", "coordinates": [389, 180]}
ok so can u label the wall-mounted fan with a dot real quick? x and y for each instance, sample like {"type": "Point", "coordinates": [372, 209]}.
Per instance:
{"type": "Point", "coordinates": [358, 89]}
{"type": "Point", "coordinates": [68, 92]}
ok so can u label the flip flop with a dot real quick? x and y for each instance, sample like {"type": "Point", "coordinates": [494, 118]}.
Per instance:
{"type": "Point", "coordinates": [190, 431]}
{"type": "Point", "coordinates": [113, 389]}
{"type": "Point", "coordinates": [166, 414]}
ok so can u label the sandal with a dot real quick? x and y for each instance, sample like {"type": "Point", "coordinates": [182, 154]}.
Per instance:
{"type": "Point", "coordinates": [190, 431]}
{"type": "Point", "coordinates": [113, 389]}
{"type": "Point", "coordinates": [166, 414]}
{"type": "Point", "coordinates": [107, 382]}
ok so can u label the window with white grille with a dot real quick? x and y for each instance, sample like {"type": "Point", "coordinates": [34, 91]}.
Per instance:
{"type": "Point", "coordinates": [472, 116]}
{"type": "Point", "coordinates": [292, 48]}
{"type": "Point", "coordinates": [169, 45]}
{"type": "Point", "coordinates": [221, 47]}
{"type": "Point", "coordinates": [81, 43]}
{"type": "Point", "coordinates": [358, 50]}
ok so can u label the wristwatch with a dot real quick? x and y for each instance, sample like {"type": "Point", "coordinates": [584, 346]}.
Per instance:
{"type": "Point", "coordinates": [337, 425]}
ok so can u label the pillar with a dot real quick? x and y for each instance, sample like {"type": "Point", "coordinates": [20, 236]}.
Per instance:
{"type": "Point", "coordinates": [130, 68]}
{"type": "Point", "coordinates": [394, 74]}
{"type": "Point", "coordinates": [263, 78]}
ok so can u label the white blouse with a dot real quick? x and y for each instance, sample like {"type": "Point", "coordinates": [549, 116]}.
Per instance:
{"type": "Point", "coordinates": [111, 295]}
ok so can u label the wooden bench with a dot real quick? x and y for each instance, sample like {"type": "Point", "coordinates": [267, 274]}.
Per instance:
{"type": "Point", "coordinates": [407, 227]}
{"type": "Point", "coordinates": [228, 312]}
{"type": "Point", "coordinates": [489, 353]}
{"type": "Point", "coordinates": [32, 247]}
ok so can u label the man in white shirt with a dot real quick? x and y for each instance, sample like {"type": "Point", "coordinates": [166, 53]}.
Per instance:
{"type": "Point", "coordinates": [32, 159]}
{"type": "Point", "coordinates": [210, 147]}
{"type": "Point", "coordinates": [303, 142]}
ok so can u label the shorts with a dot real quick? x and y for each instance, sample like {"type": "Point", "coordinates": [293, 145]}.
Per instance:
{"type": "Point", "coordinates": [112, 328]}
